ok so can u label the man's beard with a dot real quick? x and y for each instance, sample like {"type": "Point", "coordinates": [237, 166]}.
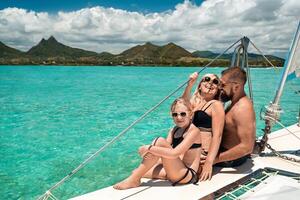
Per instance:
{"type": "Point", "coordinates": [225, 97]}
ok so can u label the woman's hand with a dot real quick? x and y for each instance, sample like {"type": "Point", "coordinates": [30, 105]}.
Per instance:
{"type": "Point", "coordinates": [193, 78]}
{"type": "Point", "coordinates": [206, 172]}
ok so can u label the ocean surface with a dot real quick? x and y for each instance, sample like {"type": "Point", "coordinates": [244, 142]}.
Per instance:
{"type": "Point", "coordinates": [52, 118]}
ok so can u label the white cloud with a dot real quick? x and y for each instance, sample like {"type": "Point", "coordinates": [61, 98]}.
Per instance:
{"type": "Point", "coordinates": [214, 25]}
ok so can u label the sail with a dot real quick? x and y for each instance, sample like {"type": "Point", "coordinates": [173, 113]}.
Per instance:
{"type": "Point", "coordinates": [291, 65]}
{"type": "Point", "coordinates": [294, 58]}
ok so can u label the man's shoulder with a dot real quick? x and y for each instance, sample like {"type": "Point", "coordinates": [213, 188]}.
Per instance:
{"type": "Point", "coordinates": [244, 102]}
{"type": "Point", "coordinates": [244, 106]}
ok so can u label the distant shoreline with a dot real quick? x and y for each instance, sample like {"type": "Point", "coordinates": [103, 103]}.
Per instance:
{"type": "Point", "coordinates": [51, 52]}
{"type": "Point", "coordinates": [158, 66]}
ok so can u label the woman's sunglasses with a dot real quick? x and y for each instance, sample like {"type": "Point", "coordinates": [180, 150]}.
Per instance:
{"type": "Point", "coordinates": [208, 79]}
{"type": "Point", "coordinates": [182, 114]}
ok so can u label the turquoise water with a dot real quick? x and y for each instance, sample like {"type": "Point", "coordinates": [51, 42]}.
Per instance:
{"type": "Point", "coordinates": [53, 118]}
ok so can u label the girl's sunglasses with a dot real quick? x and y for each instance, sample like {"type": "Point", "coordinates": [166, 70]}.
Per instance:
{"type": "Point", "coordinates": [182, 114]}
{"type": "Point", "coordinates": [208, 79]}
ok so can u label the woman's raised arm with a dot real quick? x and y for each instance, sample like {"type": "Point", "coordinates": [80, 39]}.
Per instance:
{"type": "Point", "coordinates": [187, 92]}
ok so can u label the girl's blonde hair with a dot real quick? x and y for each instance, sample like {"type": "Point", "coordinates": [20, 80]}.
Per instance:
{"type": "Point", "coordinates": [183, 101]}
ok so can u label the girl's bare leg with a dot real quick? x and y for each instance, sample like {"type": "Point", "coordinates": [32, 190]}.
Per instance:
{"type": "Point", "coordinates": [175, 169]}
{"type": "Point", "coordinates": [134, 180]}
{"type": "Point", "coordinates": [156, 172]}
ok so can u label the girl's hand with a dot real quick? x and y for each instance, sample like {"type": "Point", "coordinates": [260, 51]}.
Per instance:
{"type": "Point", "coordinates": [206, 172]}
{"type": "Point", "coordinates": [203, 156]}
{"type": "Point", "coordinates": [143, 150]}
{"type": "Point", "coordinates": [149, 156]}
{"type": "Point", "coordinates": [193, 78]}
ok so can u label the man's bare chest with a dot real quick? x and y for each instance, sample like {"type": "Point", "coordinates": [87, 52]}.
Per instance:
{"type": "Point", "coordinates": [229, 122]}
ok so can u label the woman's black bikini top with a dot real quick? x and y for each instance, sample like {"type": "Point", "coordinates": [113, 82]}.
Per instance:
{"type": "Point", "coordinates": [202, 120]}
{"type": "Point", "coordinates": [178, 140]}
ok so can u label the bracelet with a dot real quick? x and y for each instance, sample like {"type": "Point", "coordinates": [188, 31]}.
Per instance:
{"type": "Point", "coordinates": [150, 147]}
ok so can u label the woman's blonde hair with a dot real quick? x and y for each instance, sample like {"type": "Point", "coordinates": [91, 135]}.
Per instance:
{"type": "Point", "coordinates": [196, 99]}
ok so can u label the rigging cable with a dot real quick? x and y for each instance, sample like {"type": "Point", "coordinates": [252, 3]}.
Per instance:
{"type": "Point", "coordinates": [274, 67]}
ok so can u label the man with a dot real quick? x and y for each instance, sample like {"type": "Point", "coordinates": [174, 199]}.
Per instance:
{"type": "Point", "coordinates": [239, 131]}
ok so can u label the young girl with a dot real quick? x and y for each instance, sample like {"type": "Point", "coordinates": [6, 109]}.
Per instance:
{"type": "Point", "coordinates": [176, 158]}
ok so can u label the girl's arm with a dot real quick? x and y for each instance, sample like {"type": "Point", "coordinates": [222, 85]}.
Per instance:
{"type": "Point", "coordinates": [184, 146]}
{"type": "Point", "coordinates": [170, 135]}
{"type": "Point", "coordinates": [143, 151]}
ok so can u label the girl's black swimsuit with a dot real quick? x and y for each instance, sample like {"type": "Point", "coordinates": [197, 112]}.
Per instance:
{"type": "Point", "coordinates": [175, 143]}
{"type": "Point", "coordinates": [177, 140]}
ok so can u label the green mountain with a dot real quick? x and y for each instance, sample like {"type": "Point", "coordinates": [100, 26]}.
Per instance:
{"type": "Point", "coordinates": [52, 52]}
{"type": "Point", "coordinates": [147, 50]}
{"type": "Point", "coordinates": [52, 48]}
{"type": "Point", "coordinates": [173, 51]}
{"type": "Point", "coordinates": [210, 54]}
{"type": "Point", "coordinates": [252, 57]}
{"type": "Point", "coordinates": [8, 52]}
{"type": "Point", "coordinates": [150, 53]}
{"type": "Point", "coordinates": [105, 55]}
{"type": "Point", "coordinates": [144, 53]}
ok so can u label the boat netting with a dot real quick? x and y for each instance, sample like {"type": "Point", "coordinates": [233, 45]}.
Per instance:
{"type": "Point", "coordinates": [249, 185]}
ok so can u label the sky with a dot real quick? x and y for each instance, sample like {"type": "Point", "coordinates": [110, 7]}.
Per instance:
{"type": "Point", "coordinates": [52, 6]}
{"type": "Point", "coordinates": [116, 25]}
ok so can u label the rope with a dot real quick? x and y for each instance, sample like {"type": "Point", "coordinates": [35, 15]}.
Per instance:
{"type": "Point", "coordinates": [261, 53]}
{"type": "Point", "coordinates": [128, 128]}
{"type": "Point", "coordinates": [278, 153]}
{"type": "Point", "coordinates": [287, 129]}
{"type": "Point", "coordinates": [274, 67]}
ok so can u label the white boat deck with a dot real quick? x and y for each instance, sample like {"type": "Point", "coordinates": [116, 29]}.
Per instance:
{"type": "Point", "coordinates": [275, 188]}
{"type": "Point", "coordinates": [280, 140]}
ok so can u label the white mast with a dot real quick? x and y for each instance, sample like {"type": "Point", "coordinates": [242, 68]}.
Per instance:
{"type": "Point", "coordinates": [273, 110]}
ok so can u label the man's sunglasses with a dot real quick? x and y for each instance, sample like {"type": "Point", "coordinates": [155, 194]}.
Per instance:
{"type": "Point", "coordinates": [182, 114]}
{"type": "Point", "coordinates": [208, 79]}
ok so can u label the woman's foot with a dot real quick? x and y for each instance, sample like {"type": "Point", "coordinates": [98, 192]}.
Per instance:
{"type": "Point", "coordinates": [126, 184]}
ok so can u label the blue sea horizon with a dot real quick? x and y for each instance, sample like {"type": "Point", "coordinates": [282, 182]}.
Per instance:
{"type": "Point", "coordinates": [54, 117]}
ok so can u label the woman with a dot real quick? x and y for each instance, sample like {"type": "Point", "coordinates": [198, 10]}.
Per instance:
{"type": "Point", "coordinates": [179, 154]}
{"type": "Point", "coordinates": [209, 117]}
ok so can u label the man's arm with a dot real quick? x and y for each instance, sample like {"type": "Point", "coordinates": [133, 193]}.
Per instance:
{"type": "Point", "coordinates": [244, 119]}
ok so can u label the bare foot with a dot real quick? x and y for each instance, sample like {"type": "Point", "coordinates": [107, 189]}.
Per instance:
{"type": "Point", "coordinates": [126, 184]}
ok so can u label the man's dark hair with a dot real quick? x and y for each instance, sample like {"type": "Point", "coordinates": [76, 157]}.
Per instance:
{"type": "Point", "coordinates": [235, 74]}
